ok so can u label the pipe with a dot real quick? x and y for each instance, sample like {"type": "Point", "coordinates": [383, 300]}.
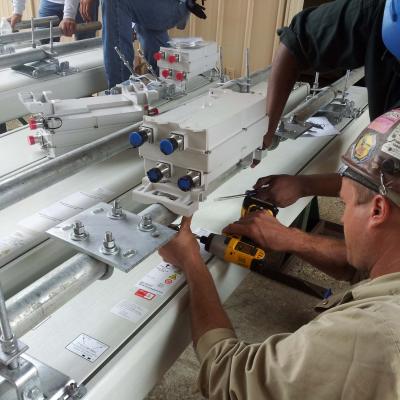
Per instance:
{"type": "Point", "coordinates": [36, 302]}
{"type": "Point", "coordinates": [37, 22]}
{"type": "Point", "coordinates": [43, 52]}
{"type": "Point", "coordinates": [325, 96]}
{"type": "Point", "coordinates": [45, 33]}
{"type": "Point", "coordinates": [7, 343]}
{"type": "Point", "coordinates": [26, 183]}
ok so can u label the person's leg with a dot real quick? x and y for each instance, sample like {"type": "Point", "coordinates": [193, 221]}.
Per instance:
{"type": "Point", "coordinates": [117, 32]}
{"type": "Point", "coordinates": [94, 13]}
{"type": "Point", "coordinates": [151, 41]}
{"type": "Point", "coordinates": [151, 27]}
{"type": "Point", "coordinates": [47, 9]}
{"type": "Point", "coordinates": [158, 15]}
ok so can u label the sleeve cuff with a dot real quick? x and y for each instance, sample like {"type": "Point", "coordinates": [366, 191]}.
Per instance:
{"type": "Point", "coordinates": [210, 339]}
{"type": "Point", "coordinates": [291, 41]}
{"type": "Point", "coordinates": [18, 10]}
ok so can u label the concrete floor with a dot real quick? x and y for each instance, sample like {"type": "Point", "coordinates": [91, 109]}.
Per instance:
{"type": "Point", "coordinates": [258, 308]}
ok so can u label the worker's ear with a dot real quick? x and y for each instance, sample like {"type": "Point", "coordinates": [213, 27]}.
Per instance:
{"type": "Point", "coordinates": [380, 211]}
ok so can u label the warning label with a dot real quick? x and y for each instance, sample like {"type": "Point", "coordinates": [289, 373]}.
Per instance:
{"type": "Point", "coordinates": [87, 347]}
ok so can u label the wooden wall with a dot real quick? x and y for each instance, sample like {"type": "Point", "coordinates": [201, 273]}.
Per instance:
{"type": "Point", "coordinates": [6, 8]}
{"type": "Point", "coordinates": [234, 24]}
{"type": "Point", "coordinates": [240, 24]}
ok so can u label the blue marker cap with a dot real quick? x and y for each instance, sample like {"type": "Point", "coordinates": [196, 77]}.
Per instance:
{"type": "Point", "coordinates": [154, 175]}
{"type": "Point", "coordinates": [168, 146]}
{"type": "Point", "coordinates": [136, 139]}
{"type": "Point", "coordinates": [185, 183]}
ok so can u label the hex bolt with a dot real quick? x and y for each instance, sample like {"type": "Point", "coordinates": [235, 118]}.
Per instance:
{"type": "Point", "coordinates": [109, 242]}
{"type": "Point", "coordinates": [109, 246]}
{"type": "Point", "coordinates": [116, 211]}
{"type": "Point", "coordinates": [146, 223]}
{"type": "Point", "coordinates": [79, 231]}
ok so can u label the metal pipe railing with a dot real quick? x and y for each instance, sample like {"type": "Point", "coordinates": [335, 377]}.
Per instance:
{"type": "Point", "coordinates": [26, 183]}
{"type": "Point", "coordinates": [325, 96]}
{"type": "Point", "coordinates": [37, 301]}
{"type": "Point", "coordinates": [43, 52]}
{"type": "Point", "coordinates": [37, 22]}
{"type": "Point", "coordinates": [40, 34]}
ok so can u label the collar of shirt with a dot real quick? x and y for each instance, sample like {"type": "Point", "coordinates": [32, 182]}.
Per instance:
{"type": "Point", "coordinates": [386, 285]}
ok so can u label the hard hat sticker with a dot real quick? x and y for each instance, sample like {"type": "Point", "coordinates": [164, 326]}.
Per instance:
{"type": "Point", "coordinates": [392, 145]}
{"type": "Point", "coordinates": [364, 148]}
{"type": "Point", "coordinates": [385, 122]}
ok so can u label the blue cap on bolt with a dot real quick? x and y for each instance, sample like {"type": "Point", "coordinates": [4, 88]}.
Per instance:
{"type": "Point", "coordinates": [185, 183]}
{"type": "Point", "coordinates": [154, 175]}
{"type": "Point", "coordinates": [168, 146]}
{"type": "Point", "coordinates": [136, 139]}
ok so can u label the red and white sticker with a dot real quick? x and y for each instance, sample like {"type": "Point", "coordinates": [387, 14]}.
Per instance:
{"type": "Point", "coordinates": [160, 279]}
{"type": "Point", "coordinates": [144, 294]}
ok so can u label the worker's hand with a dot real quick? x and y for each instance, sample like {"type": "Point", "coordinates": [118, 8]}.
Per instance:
{"type": "Point", "coordinates": [183, 249]}
{"type": "Point", "coordinates": [265, 230]}
{"type": "Point", "coordinates": [14, 19]}
{"type": "Point", "coordinates": [280, 190]}
{"type": "Point", "coordinates": [68, 26]}
{"type": "Point", "coordinates": [85, 9]}
{"type": "Point", "coordinates": [267, 140]}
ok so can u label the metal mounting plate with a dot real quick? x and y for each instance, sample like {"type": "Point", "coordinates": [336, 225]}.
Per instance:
{"type": "Point", "coordinates": [134, 244]}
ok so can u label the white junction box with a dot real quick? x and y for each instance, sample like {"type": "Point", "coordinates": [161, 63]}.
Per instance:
{"type": "Point", "coordinates": [183, 63]}
{"type": "Point", "coordinates": [186, 149]}
{"type": "Point", "coordinates": [60, 126]}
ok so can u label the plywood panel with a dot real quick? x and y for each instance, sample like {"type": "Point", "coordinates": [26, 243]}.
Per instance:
{"type": "Point", "coordinates": [30, 10]}
{"type": "Point", "coordinates": [238, 24]}
{"type": "Point", "coordinates": [262, 43]}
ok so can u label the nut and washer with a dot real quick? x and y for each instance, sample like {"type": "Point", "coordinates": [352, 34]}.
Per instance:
{"type": "Point", "coordinates": [109, 247]}
{"type": "Point", "coordinates": [116, 211]}
{"type": "Point", "coordinates": [79, 231]}
{"type": "Point", "coordinates": [146, 224]}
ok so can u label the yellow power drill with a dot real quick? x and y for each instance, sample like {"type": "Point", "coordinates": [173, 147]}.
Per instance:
{"type": "Point", "coordinates": [238, 249]}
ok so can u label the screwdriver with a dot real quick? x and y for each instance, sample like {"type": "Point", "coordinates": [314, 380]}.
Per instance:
{"type": "Point", "coordinates": [247, 193]}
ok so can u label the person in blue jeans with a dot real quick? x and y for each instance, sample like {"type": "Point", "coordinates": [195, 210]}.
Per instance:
{"type": "Point", "coordinates": [66, 10]}
{"type": "Point", "coordinates": [48, 8]}
{"type": "Point", "coordinates": [152, 20]}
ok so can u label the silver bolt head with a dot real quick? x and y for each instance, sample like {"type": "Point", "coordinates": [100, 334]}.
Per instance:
{"type": "Point", "coordinates": [79, 231]}
{"type": "Point", "coordinates": [146, 223]}
{"type": "Point", "coordinates": [79, 228]}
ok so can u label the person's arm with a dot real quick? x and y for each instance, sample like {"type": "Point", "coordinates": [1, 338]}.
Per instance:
{"type": "Point", "coordinates": [183, 251]}
{"type": "Point", "coordinates": [85, 9]}
{"type": "Point", "coordinates": [284, 190]}
{"type": "Point", "coordinates": [68, 24]}
{"type": "Point", "coordinates": [329, 37]}
{"type": "Point", "coordinates": [18, 10]}
{"type": "Point", "coordinates": [326, 254]}
{"type": "Point", "coordinates": [285, 71]}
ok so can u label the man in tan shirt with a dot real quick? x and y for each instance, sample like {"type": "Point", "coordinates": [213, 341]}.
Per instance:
{"type": "Point", "coordinates": [352, 350]}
